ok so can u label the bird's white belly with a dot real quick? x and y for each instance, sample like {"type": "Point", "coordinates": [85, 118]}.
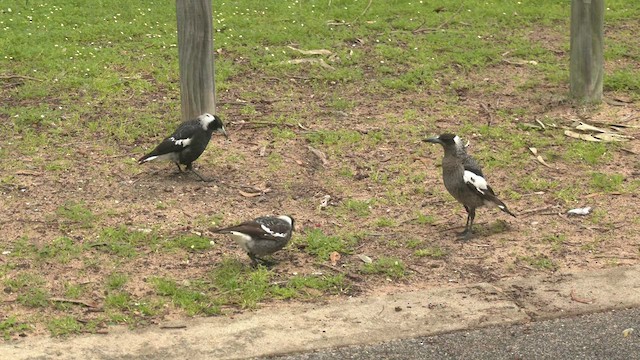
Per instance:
{"type": "Point", "coordinates": [243, 240]}
{"type": "Point", "coordinates": [173, 157]}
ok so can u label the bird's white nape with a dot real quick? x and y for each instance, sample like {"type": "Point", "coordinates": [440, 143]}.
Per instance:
{"type": "Point", "coordinates": [458, 142]}
{"type": "Point", "coordinates": [476, 180]}
{"type": "Point", "coordinates": [285, 218]}
{"type": "Point", "coordinates": [205, 119]}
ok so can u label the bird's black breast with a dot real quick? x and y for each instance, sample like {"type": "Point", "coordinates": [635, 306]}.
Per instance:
{"type": "Point", "coordinates": [199, 143]}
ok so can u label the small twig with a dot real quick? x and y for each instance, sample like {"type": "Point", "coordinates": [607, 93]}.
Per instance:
{"type": "Point", "coordinates": [9, 77]}
{"type": "Point", "coordinates": [173, 326]}
{"type": "Point", "coordinates": [363, 11]}
{"type": "Point", "coordinates": [75, 301]}
{"type": "Point", "coordinates": [486, 109]}
{"type": "Point", "coordinates": [616, 257]}
{"type": "Point", "coordinates": [580, 300]}
{"type": "Point", "coordinates": [418, 30]}
{"type": "Point", "coordinates": [533, 211]}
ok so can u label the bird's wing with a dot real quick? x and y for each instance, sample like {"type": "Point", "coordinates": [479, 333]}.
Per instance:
{"type": "Point", "coordinates": [179, 140]}
{"type": "Point", "coordinates": [470, 164]}
{"type": "Point", "coordinates": [479, 185]}
{"type": "Point", "coordinates": [265, 228]}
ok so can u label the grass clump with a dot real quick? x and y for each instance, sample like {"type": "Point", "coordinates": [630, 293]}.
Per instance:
{"type": "Point", "coordinates": [391, 267]}
{"type": "Point", "coordinates": [190, 242]}
{"type": "Point", "coordinates": [432, 252]}
{"type": "Point", "coordinates": [10, 326]}
{"type": "Point", "coordinates": [310, 286]}
{"type": "Point", "coordinates": [540, 262]}
{"type": "Point", "coordinates": [192, 301]}
{"type": "Point", "coordinates": [76, 213]}
{"type": "Point", "coordinates": [62, 249]}
{"type": "Point", "coordinates": [63, 326]}
{"type": "Point", "coordinates": [607, 182]}
{"type": "Point", "coordinates": [239, 285]}
{"type": "Point", "coordinates": [321, 245]}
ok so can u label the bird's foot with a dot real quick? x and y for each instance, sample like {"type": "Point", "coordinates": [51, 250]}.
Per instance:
{"type": "Point", "coordinates": [465, 235]}
{"type": "Point", "coordinates": [256, 261]}
{"type": "Point", "coordinates": [189, 168]}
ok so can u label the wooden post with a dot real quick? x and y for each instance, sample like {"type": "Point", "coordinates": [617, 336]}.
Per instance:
{"type": "Point", "coordinates": [587, 63]}
{"type": "Point", "coordinates": [195, 48]}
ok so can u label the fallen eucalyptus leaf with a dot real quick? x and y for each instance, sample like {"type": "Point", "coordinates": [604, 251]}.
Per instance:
{"type": "Point", "coordinates": [611, 137]}
{"type": "Point", "coordinates": [334, 258]}
{"type": "Point", "coordinates": [311, 52]}
{"type": "Point", "coordinates": [248, 194]}
{"type": "Point", "coordinates": [586, 127]}
{"type": "Point", "coordinates": [580, 211]}
{"type": "Point", "coordinates": [365, 258]}
{"type": "Point", "coordinates": [576, 135]}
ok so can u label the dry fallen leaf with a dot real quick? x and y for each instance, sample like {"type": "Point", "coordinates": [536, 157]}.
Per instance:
{"type": "Point", "coordinates": [627, 332]}
{"type": "Point", "coordinates": [534, 151]}
{"type": "Point", "coordinates": [319, 154]}
{"type": "Point", "coordinates": [325, 202]}
{"type": "Point", "coordinates": [311, 52]}
{"type": "Point", "coordinates": [611, 137]}
{"type": "Point", "coordinates": [580, 211]}
{"type": "Point", "coordinates": [248, 194]}
{"type": "Point", "coordinates": [365, 258]}
{"type": "Point", "coordinates": [586, 127]}
{"type": "Point", "coordinates": [334, 258]}
{"type": "Point", "coordinates": [576, 135]}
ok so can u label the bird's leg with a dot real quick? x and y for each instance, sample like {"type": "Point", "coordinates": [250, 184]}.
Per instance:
{"type": "Point", "coordinates": [471, 214]}
{"type": "Point", "coordinates": [254, 260]}
{"type": "Point", "coordinates": [190, 168]}
{"type": "Point", "coordinates": [179, 168]}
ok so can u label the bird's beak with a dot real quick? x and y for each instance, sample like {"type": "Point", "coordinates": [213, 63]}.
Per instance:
{"type": "Point", "coordinates": [435, 140]}
{"type": "Point", "coordinates": [224, 132]}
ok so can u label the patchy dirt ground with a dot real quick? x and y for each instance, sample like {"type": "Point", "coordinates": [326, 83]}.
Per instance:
{"type": "Point", "coordinates": [265, 171]}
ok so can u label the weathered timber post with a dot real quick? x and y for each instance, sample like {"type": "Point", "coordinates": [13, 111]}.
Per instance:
{"type": "Point", "coordinates": [195, 49]}
{"type": "Point", "coordinates": [587, 67]}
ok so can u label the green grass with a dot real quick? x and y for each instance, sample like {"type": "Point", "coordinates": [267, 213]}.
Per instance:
{"type": "Point", "coordinates": [116, 281]}
{"type": "Point", "coordinates": [432, 252]}
{"type": "Point", "coordinates": [540, 262]}
{"type": "Point", "coordinates": [123, 242]}
{"type": "Point", "coordinates": [190, 242]}
{"type": "Point", "coordinates": [607, 182]}
{"type": "Point", "coordinates": [61, 249]}
{"type": "Point", "coordinates": [591, 153]}
{"type": "Point", "coordinates": [321, 245]}
{"type": "Point", "coordinates": [77, 214]}
{"type": "Point", "coordinates": [555, 240]}
{"type": "Point", "coordinates": [63, 326]}
{"type": "Point", "coordinates": [192, 301]}
{"type": "Point", "coordinates": [393, 268]}
{"type": "Point", "coordinates": [11, 326]}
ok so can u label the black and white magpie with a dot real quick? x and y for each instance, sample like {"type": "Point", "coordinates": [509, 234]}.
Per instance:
{"type": "Point", "coordinates": [188, 142]}
{"type": "Point", "coordinates": [262, 236]}
{"type": "Point", "coordinates": [464, 180]}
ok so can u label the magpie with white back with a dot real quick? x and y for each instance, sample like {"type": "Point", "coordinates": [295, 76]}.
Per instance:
{"type": "Point", "coordinates": [188, 142]}
{"type": "Point", "coordinates": [464, 180]}
{"type": "Point", "coordinates": [262, 236]}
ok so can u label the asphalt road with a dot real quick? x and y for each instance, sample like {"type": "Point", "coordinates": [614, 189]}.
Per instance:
{"type": "Point", "coordinates": [594, 336]}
